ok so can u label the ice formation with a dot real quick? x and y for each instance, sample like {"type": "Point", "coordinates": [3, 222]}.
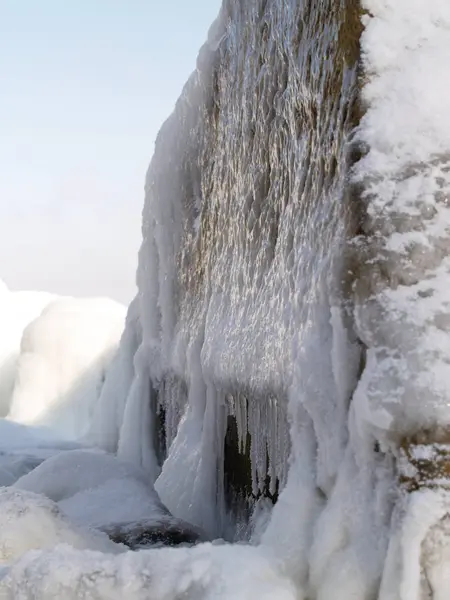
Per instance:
{"type": "Point", "coordinates": [23, 448]}
{"type": "Point", "coordinates": [17, 310]}
{"type": "Point", "coordinates": [289, 342]}
{"type": "Point", "coordinates": [29, 521]}
{"type": "Point", "coordinates": [86, 482]}
{"type": "Point", "coordinates": [204, 573]}
{"type": "Point", "coordinates": [64, 358]}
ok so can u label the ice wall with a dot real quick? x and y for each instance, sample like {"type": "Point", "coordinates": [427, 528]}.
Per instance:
{"type": "Point", "coordinates": [292, 289]}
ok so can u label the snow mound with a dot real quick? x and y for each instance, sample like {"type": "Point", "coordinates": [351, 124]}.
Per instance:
{"type": "Point", "coordinates": [30, 521]}
{"type": "Point", "coordinates": [17, 310]}
{"type": "Point", "coordinates": [65, 355]}
{"type": "Point", "coordinates": [133, 500]}
{"type": "Point", "coordinates": [68, 473]}
{"type": "Point", "coordinates": [204, 573]}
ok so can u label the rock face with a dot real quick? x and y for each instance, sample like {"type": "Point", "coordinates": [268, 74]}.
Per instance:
{"type": "Point", "coordinates": [290, 335]}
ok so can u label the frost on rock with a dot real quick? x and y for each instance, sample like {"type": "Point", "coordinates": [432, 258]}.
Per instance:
{"type": "Point", "coordinates": [402, 295]}
{"type": "Point", "coordinates": [403, 311]}
{"type": "Point", "coordinates": [64, 358]}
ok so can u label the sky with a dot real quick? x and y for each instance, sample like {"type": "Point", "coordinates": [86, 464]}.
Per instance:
{"type": "Point", "coordinates": [84, 88]}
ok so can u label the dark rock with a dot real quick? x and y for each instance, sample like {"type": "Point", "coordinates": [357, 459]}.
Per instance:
{"type": "Point", "coordinates": [166, 532]}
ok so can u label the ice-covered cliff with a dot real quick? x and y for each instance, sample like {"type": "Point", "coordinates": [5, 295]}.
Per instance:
{"type": "Point", "coordinates": [290, 338]}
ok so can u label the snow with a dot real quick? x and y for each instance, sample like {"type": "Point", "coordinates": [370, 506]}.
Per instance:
{"type": "Point", "coordinates": [23, 448]}
{"type": "Point", "coordinates": [95, 489]}
{"type": "Point", "coordinates": [77, 470]}
{"type": "Point", "coordinates": [204, 573]}
{"type": "Point", "coordinates": [17, 310]}
{"type": "Point", "coordinates": [29, 521]}
{"type": "Point", "coordinates": [133, 501]}
{"type": "Point", "coordinates": [404, 298]}
{"type": "Point", "coordinates": [64, 358]}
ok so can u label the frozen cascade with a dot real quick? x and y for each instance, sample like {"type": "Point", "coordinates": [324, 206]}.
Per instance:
{"type": "Point", "coordinates": [244, 229]}
{"type": "Point", "coordinates": [284, 368]}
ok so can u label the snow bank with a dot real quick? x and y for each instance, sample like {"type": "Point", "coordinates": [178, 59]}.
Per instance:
{"type": "Point", "coordinates": [204, 573]}
{"type": "Point", "coordinates": [65, 355]}
{"type": "Point", "coordinates": [17, 310]}
{"type": "Point", "coordinates": [30, 521]}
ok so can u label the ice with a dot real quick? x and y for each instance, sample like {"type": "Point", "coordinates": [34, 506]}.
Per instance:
{"type": "Point", "coordinates": [17, 310]}
{"type": "Point", "coordinates": [23, 448]}
{"type": "Point", "coordinates": [64, 358]}
{"type": "Point", "coordinates": [404, 298]}
{"type": "Point", "coordinates": [80, 470]}
{"type": "Point", "coordinates": [109, 413]}
{"type": "Point", "coordinates": [133, 501]}
{"type": "Point", "coordinates": [29, 521]}
{"type": "Point", "coordinates": [204, 573]}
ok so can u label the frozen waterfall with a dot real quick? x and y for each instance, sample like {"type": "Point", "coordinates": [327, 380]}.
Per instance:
{"type": "Point", "coordinates": [283, 376]}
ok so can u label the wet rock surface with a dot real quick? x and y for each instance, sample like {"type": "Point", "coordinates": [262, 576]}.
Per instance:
{"type": "Point", "coordinates": [145, 533]}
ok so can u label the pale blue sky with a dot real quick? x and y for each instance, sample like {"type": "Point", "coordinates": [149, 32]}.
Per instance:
{"type": "Point", "coordinates": [84, 88]}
